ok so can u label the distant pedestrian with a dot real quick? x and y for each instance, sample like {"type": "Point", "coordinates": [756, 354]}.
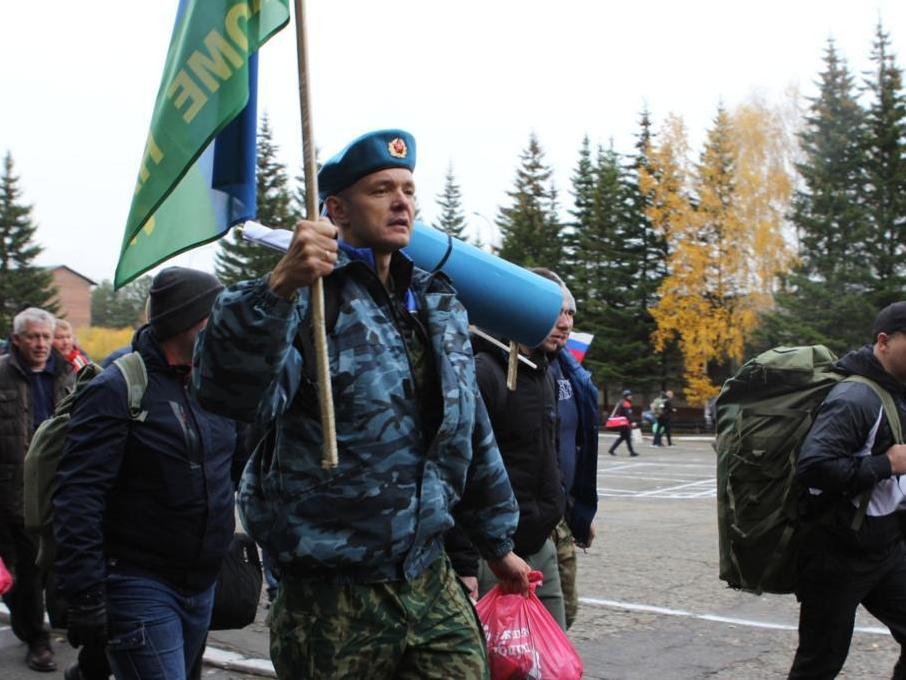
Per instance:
{"type": "Point", "coordinates": [33, 378]}
{"type": "Point", "coordinates": [663, 411]}
{"type": "Point", "coordinates": [624, 409]}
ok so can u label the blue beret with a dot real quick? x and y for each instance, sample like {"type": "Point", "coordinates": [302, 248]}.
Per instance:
{"type": "Point", "coordinates": [369, 153]}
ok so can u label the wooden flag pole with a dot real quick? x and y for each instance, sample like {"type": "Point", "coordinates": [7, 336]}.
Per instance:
{"type": "Point", "coordinates": [325, 395]}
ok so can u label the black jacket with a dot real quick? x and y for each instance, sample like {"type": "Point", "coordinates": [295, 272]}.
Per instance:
{"type": "Point", "coordinates": [843, 455]}
{"type": "Point", "coordinates": [525, 426]}
{"type": "Point", "coordinates": [152, 498]}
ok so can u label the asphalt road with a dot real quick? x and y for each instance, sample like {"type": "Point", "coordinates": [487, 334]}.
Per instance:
{"type": "Point", "coordinates": [651, 603]}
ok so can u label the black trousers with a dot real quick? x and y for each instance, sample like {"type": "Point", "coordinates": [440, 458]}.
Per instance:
{"type": "Point", "coordinates": [625, 434]}
{"type": "Point", "coordinates": [26, 598]}
{"type": "Point", "coordinates": [831, 586]}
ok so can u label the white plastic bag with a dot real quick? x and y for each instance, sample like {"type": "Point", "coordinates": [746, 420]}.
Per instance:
{"type": "Point", "coordinates": [636, 435]}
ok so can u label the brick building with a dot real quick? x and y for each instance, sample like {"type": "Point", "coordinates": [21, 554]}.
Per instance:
{"type": "Point", "coordinates": [73, 295]}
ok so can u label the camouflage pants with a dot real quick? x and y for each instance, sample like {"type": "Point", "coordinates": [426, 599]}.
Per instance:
{"type": "Point", "coordinates": [566, 564]}
{"type": "Point", "coordinates": [423, 629]}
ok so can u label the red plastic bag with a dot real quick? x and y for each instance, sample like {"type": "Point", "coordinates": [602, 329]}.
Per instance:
{"type": "Point", "coordinates": [524, 640]}
{"type": "Point", "coordinates": [6, 579]}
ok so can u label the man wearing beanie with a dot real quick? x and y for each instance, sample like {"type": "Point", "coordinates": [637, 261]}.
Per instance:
{"type": "Point", "coordinates": [144, 510]}
{"type": "Point", "coordinates": [850, 458]}
{"type": "Point", "coordinates": [366, 589]}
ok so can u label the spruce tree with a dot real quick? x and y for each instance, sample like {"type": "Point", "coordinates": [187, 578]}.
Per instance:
{"type": "Point", "coordinates": [827, 299]}
{"type": "Point", "coordinates": [885, 152]}
{"type": "Point", "coordinates": [606, 310]}
{"type": "Point", "coordinates": [653, 251]}
{"type": "Point", "coordinates": [238, 260]}
{"type": "Point", "coordinates": [648, 246]}
{"type": "Point", "coordinates": [529, 225]}
{"type": "Point", "coordinates": [21, 281]}
{"type": "Point", "coordinates": [574, 269]}
{"type": "Point", "coordinates": [123, 308]}
{"type": "Point", "coordinates": [451, 220]}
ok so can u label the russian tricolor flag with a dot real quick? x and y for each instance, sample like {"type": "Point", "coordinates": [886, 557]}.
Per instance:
{"type": "Point", "coordinates": [578, 344]}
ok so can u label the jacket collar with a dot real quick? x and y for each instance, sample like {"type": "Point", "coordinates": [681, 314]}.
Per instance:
{"type": "Point", "coordinates": [146, 342]}
{"type": "Point", "coordinates": [401, 269]}
{"type": "Point", "coordinates": [864, 362]}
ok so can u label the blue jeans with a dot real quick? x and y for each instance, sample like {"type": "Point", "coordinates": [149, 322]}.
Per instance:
{"type": "Point", "coordinates": [156, 633]}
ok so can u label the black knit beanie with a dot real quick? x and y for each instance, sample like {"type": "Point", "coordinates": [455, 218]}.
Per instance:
{"type": "Point", "coordinates": [180, 298]}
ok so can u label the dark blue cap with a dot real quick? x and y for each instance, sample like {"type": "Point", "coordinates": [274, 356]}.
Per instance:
{"type": "Point", "coordinates": [369, 153]}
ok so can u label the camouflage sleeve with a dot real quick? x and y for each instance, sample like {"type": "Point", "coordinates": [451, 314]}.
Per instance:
{"type": "Point", "coordinates": [245, 366]}
{"type": "Point", "coordinates": [488, 510]}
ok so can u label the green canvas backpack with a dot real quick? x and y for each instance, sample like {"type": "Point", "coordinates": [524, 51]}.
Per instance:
{"type": "Point", "coordinates": [658, 406]}
{"type": "Point", "coordinates": [46, 449]}
{"type": "Point", "coordinates": [763, 415]}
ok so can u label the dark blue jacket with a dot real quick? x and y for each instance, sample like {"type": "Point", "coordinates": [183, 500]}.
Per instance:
{"type": "Point", "coordinates": [151, 497]}
{"type": "Point", "coordinates": [582, 503]}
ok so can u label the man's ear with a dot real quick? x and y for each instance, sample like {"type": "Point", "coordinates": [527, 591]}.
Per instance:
{"type": "Point", "coordinates": [336, 210]}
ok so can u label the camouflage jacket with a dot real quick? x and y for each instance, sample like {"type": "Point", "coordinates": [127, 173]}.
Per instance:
{"type": "Point", "coordinates": [382, 513]}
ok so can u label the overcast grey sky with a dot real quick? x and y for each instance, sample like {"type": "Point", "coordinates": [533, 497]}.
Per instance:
{"type": "Point", "coordinates": [470, 79]}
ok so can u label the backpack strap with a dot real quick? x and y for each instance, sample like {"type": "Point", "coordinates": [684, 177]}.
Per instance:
{"type": "Point", "coordinates": [896, 429]}
{"type": "Point", "coordinates": [132, 366]}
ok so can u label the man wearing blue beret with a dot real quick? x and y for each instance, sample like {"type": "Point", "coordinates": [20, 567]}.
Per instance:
{"type": "Point", "coordinates": [366, 588]}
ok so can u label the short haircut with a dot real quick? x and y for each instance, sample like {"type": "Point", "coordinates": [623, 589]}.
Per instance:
{"type": "Point", "coordinates": [551, 276]}
{"type": "Point", "coordinates": [32, 315]}
{"type": "Point", "coordinates": [63, 324]}
{"type": "Point", "coordinates": [548, 274]}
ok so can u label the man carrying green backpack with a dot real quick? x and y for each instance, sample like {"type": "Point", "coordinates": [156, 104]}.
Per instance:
{"type": "Point", "coordinates": [851, 450]}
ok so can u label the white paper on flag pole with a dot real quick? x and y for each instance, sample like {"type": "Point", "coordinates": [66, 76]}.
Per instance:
{"type": "Point", "coordinates": [277, 239]}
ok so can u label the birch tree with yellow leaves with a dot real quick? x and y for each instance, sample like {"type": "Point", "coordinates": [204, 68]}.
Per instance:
{"type": "Point", "coordinates": [723, 221]}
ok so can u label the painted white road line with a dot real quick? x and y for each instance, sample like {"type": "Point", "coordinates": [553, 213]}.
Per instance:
{"type": "Point", "coordinates": [671, 489]}
{"type": "Point", "coordinates": [657, 464]}
{"type": "Point", "coordinates": [651, 478]}
{"type": "Point", "coordinates": [624, 466]}
{"type": "Point", "coordinates": [752, 623]}
{"type": "Point", "coordinates": [627, 493]}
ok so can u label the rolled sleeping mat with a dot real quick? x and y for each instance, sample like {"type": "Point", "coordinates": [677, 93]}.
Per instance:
{"type": "Point", "coordinates": [499, 296]}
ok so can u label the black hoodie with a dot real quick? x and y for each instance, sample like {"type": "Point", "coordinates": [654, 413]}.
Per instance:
{"type": "Point", "coordinates": [843, 455]}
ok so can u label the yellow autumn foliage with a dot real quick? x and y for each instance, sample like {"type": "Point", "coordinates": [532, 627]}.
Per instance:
{"type": "Point", "coordinates": [98, 342]}
{"type": "Point", "coordinates": [723, 222]}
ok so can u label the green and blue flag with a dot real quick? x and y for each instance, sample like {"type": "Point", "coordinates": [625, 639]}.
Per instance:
{"type": "Point", "coordinates": [197, 174]}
